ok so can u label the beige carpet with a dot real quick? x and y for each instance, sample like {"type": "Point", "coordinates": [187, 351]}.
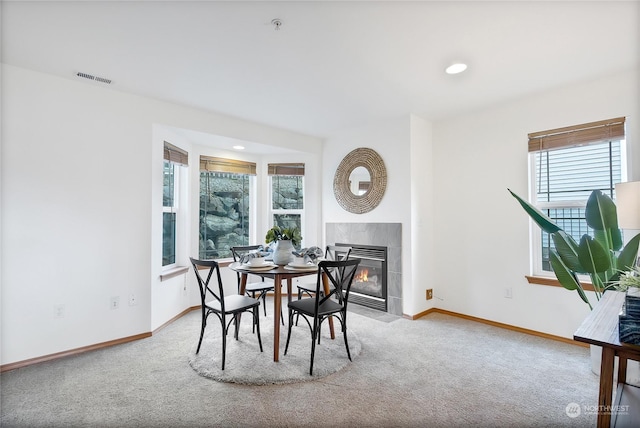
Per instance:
{"type": "Point", "coordinates": [245, 364]}
{"type": "Point", "coordinates": [437, 371]}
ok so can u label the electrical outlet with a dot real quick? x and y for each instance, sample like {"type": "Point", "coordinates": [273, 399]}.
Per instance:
{"type": "Point", "coordinates": [114, 303]}
{"type": "Point", "coordinates": [429, 294]}
{"type": "Point", "coordinates": [132, 299]}
{"type": "Point", "coordinates": [58, 311]}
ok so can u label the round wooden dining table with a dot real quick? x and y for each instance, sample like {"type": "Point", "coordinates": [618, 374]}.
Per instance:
{"type": "Point", "coordinates": [278, 274]}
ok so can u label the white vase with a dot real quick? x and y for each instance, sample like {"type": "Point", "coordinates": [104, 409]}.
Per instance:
{"type": "Point", "coordinates": [282, 252]}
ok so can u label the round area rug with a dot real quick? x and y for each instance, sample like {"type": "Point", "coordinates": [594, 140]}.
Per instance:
{"type": "Point", "coordinates": [245, 364]}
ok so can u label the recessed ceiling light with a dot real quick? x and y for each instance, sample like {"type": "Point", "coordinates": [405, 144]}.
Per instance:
{"type": "Point", "coordinates": [456, 68]}
{"type": "Point", "coordinates": [238, 147]}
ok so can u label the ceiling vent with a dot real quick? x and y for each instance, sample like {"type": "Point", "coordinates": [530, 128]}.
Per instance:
{"type": "Point", "coordinates": [92, 77]}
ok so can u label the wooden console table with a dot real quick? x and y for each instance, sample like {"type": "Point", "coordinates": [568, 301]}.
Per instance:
{"type": "Point", "coordinates": [601, 328]}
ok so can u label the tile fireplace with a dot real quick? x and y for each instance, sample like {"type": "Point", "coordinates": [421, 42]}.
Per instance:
{"type": "Point", "coordinates": [379, 247]}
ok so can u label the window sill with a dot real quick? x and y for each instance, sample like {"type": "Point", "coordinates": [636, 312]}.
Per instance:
{"type": "Point", "coordinates": [221, 262]}
{"type": "Point", "coordinates": [173, 272]}
{"type": "Point", "coordinates": [542, 280]}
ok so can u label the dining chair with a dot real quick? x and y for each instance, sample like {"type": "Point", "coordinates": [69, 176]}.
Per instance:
{"type": "Point", "coordinates": [259, 288]}
{"type": "Point", "coordinates": [332, 252]}
{"type": "Point", "coordinates": [321, 307]}
{"type": "Point", "coordinates": [221, 305]}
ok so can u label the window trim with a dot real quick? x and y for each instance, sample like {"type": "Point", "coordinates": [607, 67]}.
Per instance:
{"type": "Point", "coordinates": [604, 131]}
{"type": "Point", "coordinates": [287, 169]}
{"type": "Point", "coordinates": [212, 164]}
{"type": "Point", "coordinates": [174, 208]}
{"type": "Point", "coordinates": [552, 281]}
{"type": "Point", "coordinates": [179, 159]}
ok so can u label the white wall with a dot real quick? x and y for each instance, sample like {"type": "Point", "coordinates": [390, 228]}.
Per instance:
{"type": "Point", "coordinates": [392, 140]}
{"type": "Point", "coordinates": [463, 234]}
{"type": "Point", "coordinates": [481, 233]}
{"type": "Point", "coordinates": [79, 202]}
{"type": "Point", "coordinates": [79, 221]}
{"type": "Point", "coordinates": [422, 244]}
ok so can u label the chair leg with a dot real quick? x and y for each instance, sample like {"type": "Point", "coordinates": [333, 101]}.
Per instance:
{"type": "Point", "coordinates": [253, 327]}
{"type": "Point", "coordinates": [346, 343]}
{"type": "Point", "coordinates": [298, 314]}
{"type": "Point", "coordinates": [224, 342]}
{"type": "Point", "coordinates": [264, 302]}
{"type": "Point", "coordinates": [313, 344]}
{"type": "Point", "coordinates": [237, 329]}
{"type": "Point", "coordinates": [256, 322]}
{"type": "Point", "coordinates": [286, 347]}
{"type": "Point", "coordinates": [202, 328]}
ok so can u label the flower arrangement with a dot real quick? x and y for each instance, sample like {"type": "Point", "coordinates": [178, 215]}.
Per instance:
{"type": "Point", "coordinates": [277, 233]}
{"type": "Point", "coordinates": [629, 279]}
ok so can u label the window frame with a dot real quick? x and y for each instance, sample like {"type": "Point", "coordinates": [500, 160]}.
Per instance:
{"type": "Point", "coordinates": [536, 260]}
{"type": "Point", "coordinates": [287, 170]}
{"type": "Point", "coordinates": [178, 159]}
{"type": "Point", "coordinates": [210, 164]}
{"type": "Point", "coordinates": [174, 208]}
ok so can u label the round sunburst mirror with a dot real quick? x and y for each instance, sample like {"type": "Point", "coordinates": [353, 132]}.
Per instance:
{"type": "Point", "coordinates": [360, 181]}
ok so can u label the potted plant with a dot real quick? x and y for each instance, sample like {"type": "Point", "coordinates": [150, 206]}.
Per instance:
{"type": "Point", "coordinates": [602, 257]}
{"type": "Point", "coordinates": [285, 239]}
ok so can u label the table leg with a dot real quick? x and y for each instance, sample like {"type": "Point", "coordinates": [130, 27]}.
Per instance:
{"type": "Point", "coordinates": [325, 285]}
{"type": "Point", "coordinates": [243, 284]}
{"type": "Point", "coordinates": [241, 291]}
{"type": "Point", "coordinates": [622, 369]}
{"type": "Point", "coordinates": [606, 387]}
{"type": "Point", "coordinates": [277, 304]}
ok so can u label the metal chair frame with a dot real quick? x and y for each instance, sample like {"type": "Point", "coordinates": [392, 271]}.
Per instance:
{"type": "Point", "coordinates": [252, 288]}
{"type": "Point", "coordinates": [319, 308]}
{"type": "Point", "coordinates": [330, 254]}
{"type": "Point", "coordinates": [222, 306]}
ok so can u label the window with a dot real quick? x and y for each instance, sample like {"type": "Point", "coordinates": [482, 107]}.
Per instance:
{"type": "Point", "coordinates": [287, 194]}
{"type": "Point", "coordinates": [174, 159]}
{"type": "Point", "coordinates": [225, 194]}
{"type": "Point", "coordinates": [567, 164]}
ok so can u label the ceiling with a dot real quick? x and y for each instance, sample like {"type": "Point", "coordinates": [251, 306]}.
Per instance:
{"type": "Point", "coordinates": [332, 65]}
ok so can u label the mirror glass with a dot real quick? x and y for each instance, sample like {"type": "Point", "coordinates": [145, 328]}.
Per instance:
{"type": "Point", "coordinates": [359, 181]}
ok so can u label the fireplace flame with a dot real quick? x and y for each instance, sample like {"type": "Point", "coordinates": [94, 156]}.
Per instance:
{"type": "Point", "coordinates": [362, 276]}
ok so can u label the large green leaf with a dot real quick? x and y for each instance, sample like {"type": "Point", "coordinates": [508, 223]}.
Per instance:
{"type": "Point", "coordinates": [593, 256]}
{"type": "Point", "coordinates": [567, 249]}
{"type": "Point", "coordinates": [616, 236]}
{"type": "Point", "coordinates": [609, 238]}
{"type": "Point", "coordinates": [566, 277]}
{"type": "Point", "coordinates": [583, 296]}
{"type": "Point", "coordinates": [628, 257]}
{"type": "Point", "coordinates": [541, 220]}
{"type": "Point", "coordinates": [601, 212]}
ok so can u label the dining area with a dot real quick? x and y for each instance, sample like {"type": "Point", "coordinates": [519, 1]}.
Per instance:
{"type": "Point", "coordinates": [306, 320]}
